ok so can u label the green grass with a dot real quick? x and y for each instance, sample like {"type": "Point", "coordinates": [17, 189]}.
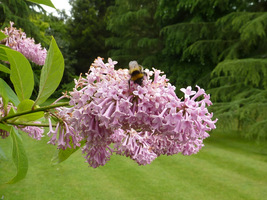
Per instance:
{"type": "Point", "coordinates": [226, 168]}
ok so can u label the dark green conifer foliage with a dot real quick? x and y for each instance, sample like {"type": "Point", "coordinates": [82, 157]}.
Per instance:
{"type": "Point", "coordinates": [87, 30]}
{"type": "Point", "coordinates": [135, 32]}
{"type": "Point", "coordinates": [187, 28]}
{"type": "Point", "coordinates": [22, 13]}
{"type": "Point", "coordinates": [228, 39]}
{"type": "Point", "coordinates": [239, 81]}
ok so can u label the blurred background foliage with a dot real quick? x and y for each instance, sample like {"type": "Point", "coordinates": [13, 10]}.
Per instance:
{"type": "Point", "coordinates": [220, 45]}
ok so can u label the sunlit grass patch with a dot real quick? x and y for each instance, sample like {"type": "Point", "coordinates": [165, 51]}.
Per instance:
{"type": "Point", "coordinates": [226, 168]}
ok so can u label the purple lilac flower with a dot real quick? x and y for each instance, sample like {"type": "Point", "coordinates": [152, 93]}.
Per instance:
{"type": "Point", "coordinates": [134, 145]}
{"type": "Point", "coordinates": [143, 122]}
{"type": "Point", "coordinates": [4, 134]}
{"type": "Point", "coordinates": [64, 135]}
{"type": "Point", "coordinates": [33, 131]}
{"type": "Point", "coordinates": [18, 41]}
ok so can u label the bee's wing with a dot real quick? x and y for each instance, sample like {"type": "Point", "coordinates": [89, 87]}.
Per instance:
{"type": "Point", "coordinates": [133, 65]}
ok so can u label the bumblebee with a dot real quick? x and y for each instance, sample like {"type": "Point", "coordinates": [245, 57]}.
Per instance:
{"type": "Point", "coordinates": [136, 72]}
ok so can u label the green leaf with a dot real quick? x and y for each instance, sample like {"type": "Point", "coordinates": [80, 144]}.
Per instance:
{"type": "Point", "coordinates": [2, 36]}
{"type": "Point", "coordinates": [26, 105]}
{"type": "Point", "coordinates": [7, 93]}
{"type": "Point", "coordinates": [2, 154]}
{"type": "Point", "coordinates": [21, 74]}
{"type": "Point", "coordinates": [3, 94]}
{"type": "Point", "coordinates": [5, 127]}
{"type": "Point", "coordinates": [12, 111]}
{"type": "Point", "coordinates": [4, 69]}
{"type": "Point", "coordinates": [51, 73]}
{"type": "Point", "coordinates": [61, 155]}
{"type": "Point", "coordinates": [44, 2]}
{"type": "Point", "coordinates": [3, 55]}
{"type": "Point", "coordinates": [19, 156]}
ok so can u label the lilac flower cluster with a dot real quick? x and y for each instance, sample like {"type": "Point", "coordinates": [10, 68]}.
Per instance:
{"type": "Point", "coordinates": [33, 131]}
{"type": "Point", "coordinates": [142, 122]}
{"type": "Point", "coordinates": [18, 41]}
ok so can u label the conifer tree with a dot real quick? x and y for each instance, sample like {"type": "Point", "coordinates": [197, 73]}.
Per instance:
{"type": "Point", "coordinates": [228, 39]}
{"type": "Point", "coordinates": [190, 43]}
{"type": "Point", "coordinates": [241, 75]}
{"type": "Point", "coordinates": [135, 32]}
{"type": "Point", "coordinates": [24, 14]}
{"type": "Point", "coordinates": [87, 30]}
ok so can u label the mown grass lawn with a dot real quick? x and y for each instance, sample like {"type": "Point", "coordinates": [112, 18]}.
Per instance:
{"type": "Point", "coordinates": [226, 168]}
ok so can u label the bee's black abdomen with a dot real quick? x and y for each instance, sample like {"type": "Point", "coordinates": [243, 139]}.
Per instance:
{"type": "Point", "coordinates": [135, 73]}
{"type": "Point", "coordinates": [139, 81]}
{"type": "Point", "coordinates": [137, 77]}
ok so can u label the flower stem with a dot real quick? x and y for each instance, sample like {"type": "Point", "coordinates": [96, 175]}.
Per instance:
{"type": "Point", "coordinates": [44, 108]}
{"type": "Point", "coordinates": [30, 124]}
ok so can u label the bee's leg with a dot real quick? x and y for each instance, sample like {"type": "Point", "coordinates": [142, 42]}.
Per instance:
{"type": "Point", "coordinates": [129, 82]}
